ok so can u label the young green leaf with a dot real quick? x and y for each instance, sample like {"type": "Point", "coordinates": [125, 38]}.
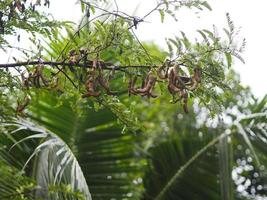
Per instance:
{"type": "Point", "coordinates": [228, 58]}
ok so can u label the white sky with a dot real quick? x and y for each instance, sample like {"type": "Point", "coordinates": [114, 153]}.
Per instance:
{"type": "Point", "coordinates": [249, 15]}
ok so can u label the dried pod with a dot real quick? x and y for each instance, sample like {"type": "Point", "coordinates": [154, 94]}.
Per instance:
{"type": "Point", "coordinates": [196, 79]}
{"type": "Point", "coordinates": [38, 76]}
{"type": "Point", "coordinates": [149, 84]}
{"type": "Point", "coordinates": [172, 80]}
{"type": "Point", "coordinates": [177, 85]}
{"type": "Point", "coordinates": [90, 85]}
{"type": "Point", "coordinates": [21, 106]}
{"type": "Point", "coordinates": [162, 71]}
{"type": "Point", "coordinates": [185, 99]}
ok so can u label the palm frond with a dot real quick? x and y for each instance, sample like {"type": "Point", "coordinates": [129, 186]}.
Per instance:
{"type": "Point", "coordinates": [184, 168]}
{"type": "Point", "coordinates": [106, 156]}
{"type": "Point", "coordinates": [250, 136]}
{"type": "Point", "coordinates": [14, 184]}
{"type": "Point", "coordinates": [54, 164]}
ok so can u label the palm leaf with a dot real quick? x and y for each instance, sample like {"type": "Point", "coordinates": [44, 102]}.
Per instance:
{"type": "Point", "coordinates": [55, 163]}
{"type": "Point", "coordinates": [250, 137]}
{"type": "Point", "coordinates": [14, 185]}
{"type": "Point", "coordinates": [226, 166]}
{"type": "Point", "coordinates": [105, 155]}
{"type": "Point", "coordinates": [184, 168]}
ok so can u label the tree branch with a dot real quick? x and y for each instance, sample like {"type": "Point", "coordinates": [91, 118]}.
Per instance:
{"type": "Point", "coordinates": [88, 64]}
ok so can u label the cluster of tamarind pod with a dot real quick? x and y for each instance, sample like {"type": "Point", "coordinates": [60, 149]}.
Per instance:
{"type": "Point", "coordinates": [93, 79]}
{"type": "Point", "coordinates": [35, 78]}
{"type": "Point", "coordinates": [177, 84]}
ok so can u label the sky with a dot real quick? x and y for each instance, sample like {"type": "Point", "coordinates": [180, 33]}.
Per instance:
{"type": "Point", "coordinates": [249, 15]}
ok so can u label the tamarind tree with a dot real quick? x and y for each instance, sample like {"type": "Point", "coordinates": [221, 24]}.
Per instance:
{"type": "Point", "coordinates": [104, 47]}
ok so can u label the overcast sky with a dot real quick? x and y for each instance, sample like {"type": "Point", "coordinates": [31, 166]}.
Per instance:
{"type": "Point", "coordinates": [249, 15]}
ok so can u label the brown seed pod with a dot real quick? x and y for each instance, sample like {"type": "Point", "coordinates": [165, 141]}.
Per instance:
{"type": "Point", "coordinates": [90, 85]}
{"type": "Point", "coordinates": [184, 95]}
{"type": "Point", "coordinates": [162, 71]}
{"type": "Point", "coordinates": [149, 84]}
{"type": "Point", "coordinates": [38, 76]}
{"type": "Point", "coordinates": [177, 85]}
{"type": "Point", "coordinates": [173, 80]}
{"type": "Point", "coordinates": [196, 79]}
{"type": "Point", "coordinates": [21, 106]}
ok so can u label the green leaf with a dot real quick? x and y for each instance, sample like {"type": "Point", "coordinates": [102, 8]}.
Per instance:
{"type": "Point", "coordinates": [229, 59]}
{"type": "Point", "coordinates": [206, 5]}
{"type": "Point", "coordinates": [83, 5]}
{"type": "Point", "coordinates": [185, 40]}
{"type": "Point", "coordinates": [92, 8]}
{"type": "Point", "coordinates": [162, 15]}
{"type": "Point", "coordinates": [204, 36]}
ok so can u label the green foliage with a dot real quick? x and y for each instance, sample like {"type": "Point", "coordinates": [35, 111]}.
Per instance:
{"type": "Point", "coordinates": [171, 172]}
{"type": "Point", "coordinates": [21, 15]}
{"type": "Point", "coordinates": [14, 184]}
{"type": "Point", "coordinates": [65, 192]}
{"type": "Point", "coordinates": [210, 54]}
{"type": "Point", "coordinates": [93, 138]}
{"type": "Point", "coordinates": [186, 166]}
{"type": "Point", "coordinates": [172, 7]}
